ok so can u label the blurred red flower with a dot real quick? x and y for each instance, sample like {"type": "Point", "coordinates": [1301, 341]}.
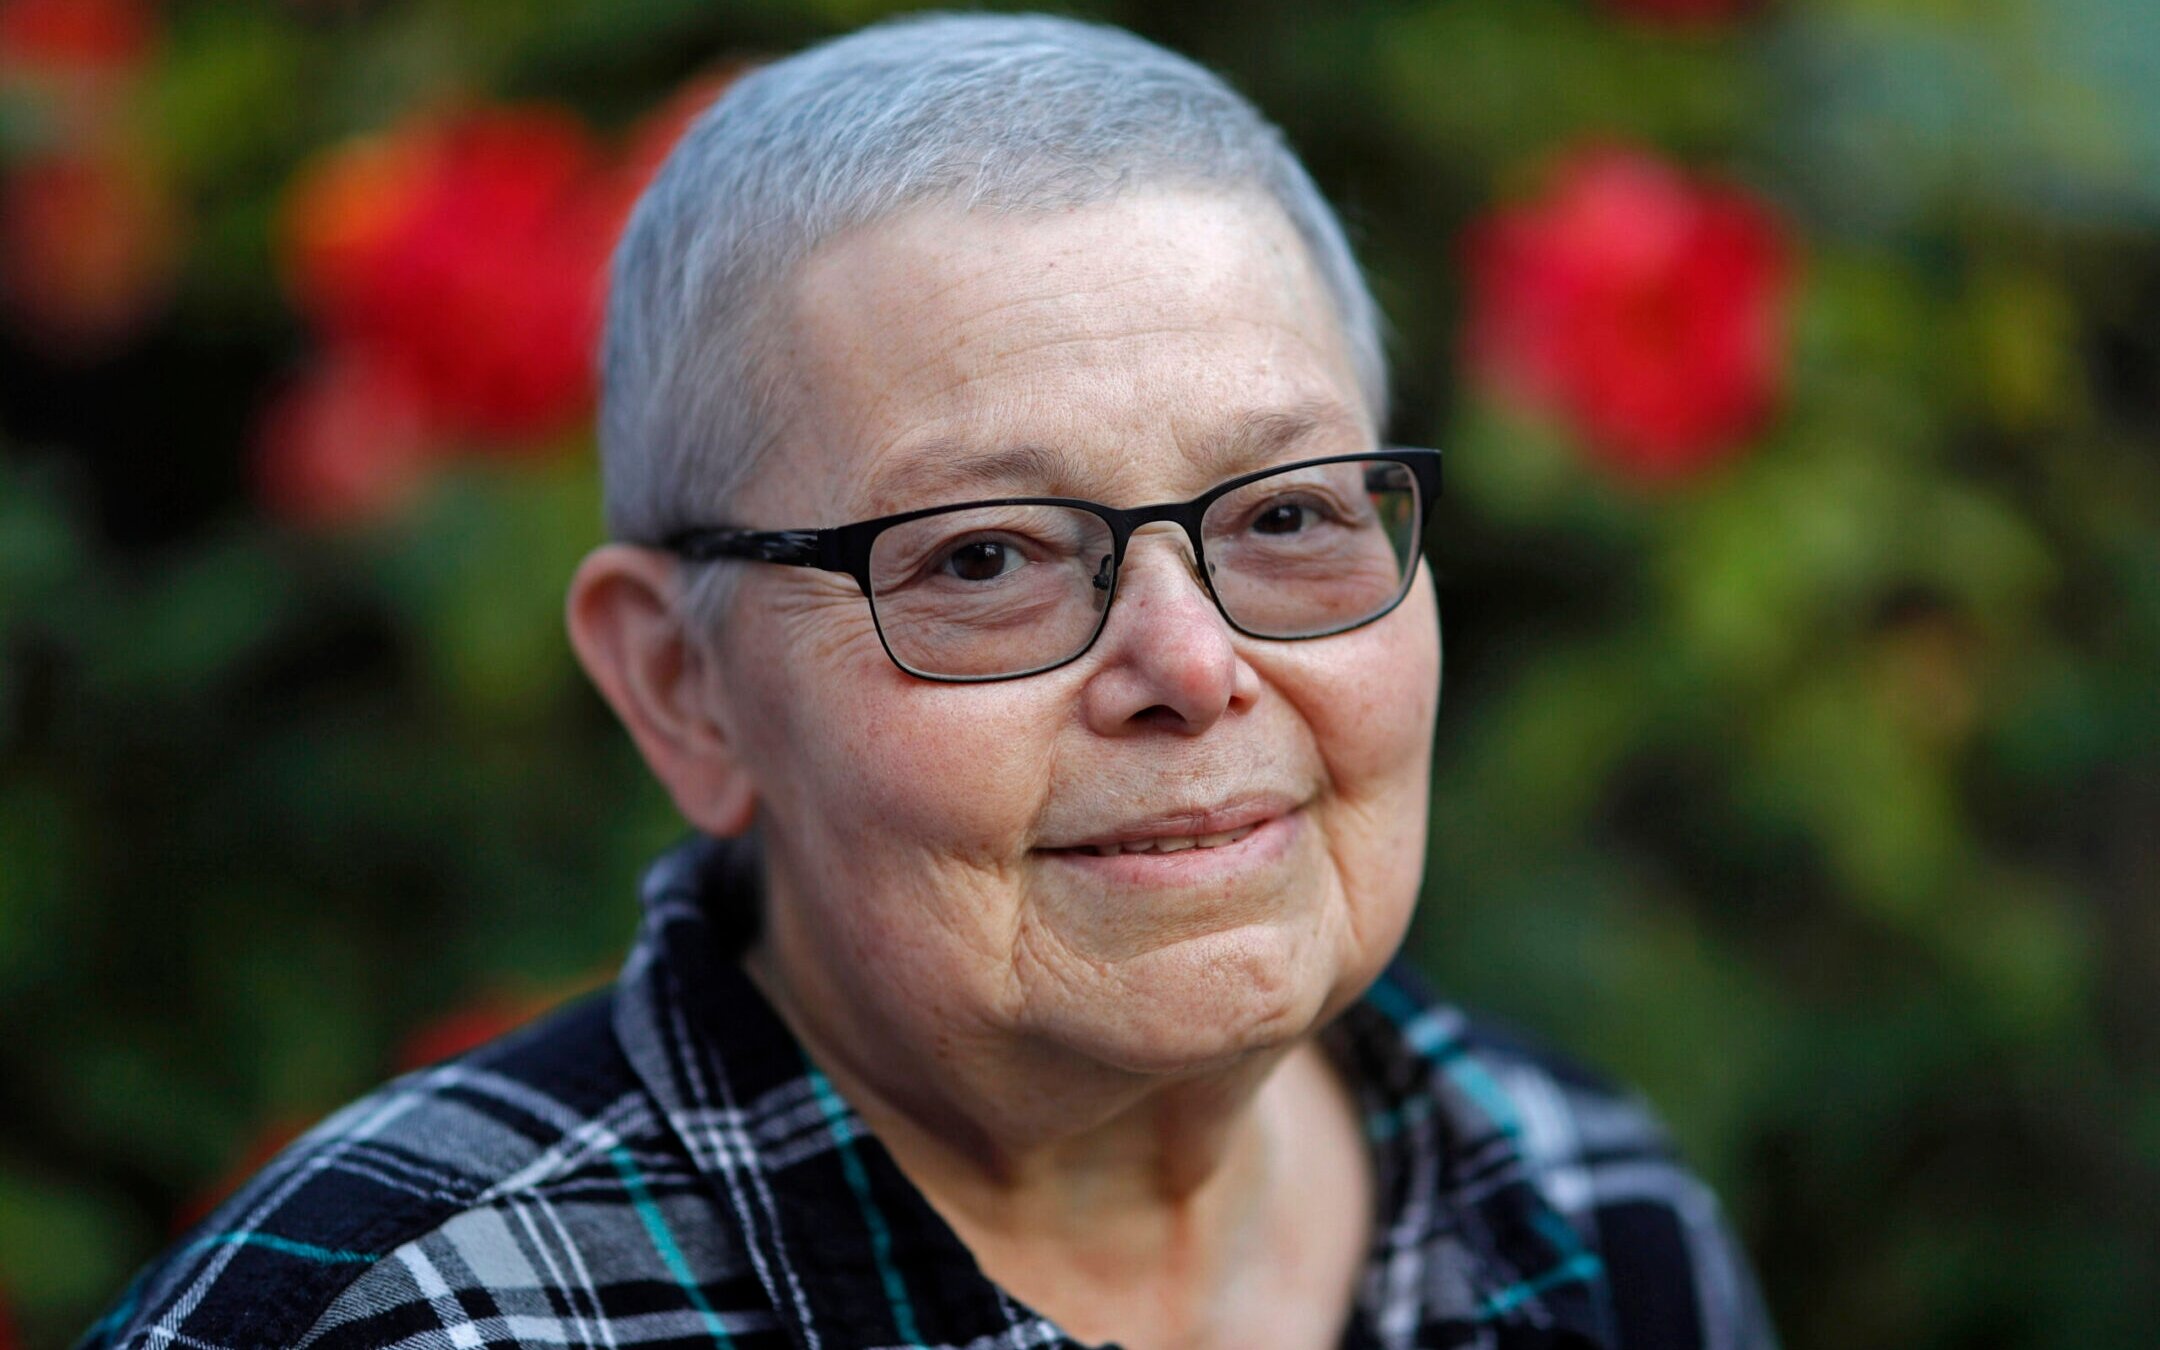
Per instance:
{"type": "Point", "coordinates": [76, 35]}
{"type": "Point", "coordinates": [89, 228]}
{"type": "Point", "coordinates": [346, 445]}
{"type": "Point", "coordinates": [1688, 12]}
{"type": "Point", "coordinates": [453, 267]}
{"type": "Point", "coordinates": [10, 1335]}
{"type": "Point", "coordinates": [89, 243]}
{"type": "Point", "coordinates": [465, 252]}
{"type": "Point", "coordinates": [1645, 308]}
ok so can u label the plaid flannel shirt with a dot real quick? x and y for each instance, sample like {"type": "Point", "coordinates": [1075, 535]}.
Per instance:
{"type": "Point", "coordinates": [661, 1165]}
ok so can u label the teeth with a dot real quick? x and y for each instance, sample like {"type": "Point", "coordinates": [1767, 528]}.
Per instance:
{"type": "Point", "coordinates": [1174, 845]}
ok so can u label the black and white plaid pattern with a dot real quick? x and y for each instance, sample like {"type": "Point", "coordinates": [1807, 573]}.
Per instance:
{"type": "Point", "coordinates": [661, 1165]}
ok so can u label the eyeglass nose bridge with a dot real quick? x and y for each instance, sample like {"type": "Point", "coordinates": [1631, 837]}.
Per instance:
{"type": "Point", "coordinates": [1126, 522]}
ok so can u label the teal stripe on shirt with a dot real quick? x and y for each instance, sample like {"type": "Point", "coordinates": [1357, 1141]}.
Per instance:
{"type": "Point", "coordinates": [663, 1240]}
{"type": "Point", "coordinates": [858, 1180]}
{"type": "Point", "coordinates": [305, 1250]}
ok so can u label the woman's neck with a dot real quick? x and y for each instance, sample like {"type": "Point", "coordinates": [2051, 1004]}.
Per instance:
{"type": "Point", "coordinates": [1230, 1206]}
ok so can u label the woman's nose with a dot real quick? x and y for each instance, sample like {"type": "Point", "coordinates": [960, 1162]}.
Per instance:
{"type": "Point", "coordinates": [1166, 658]}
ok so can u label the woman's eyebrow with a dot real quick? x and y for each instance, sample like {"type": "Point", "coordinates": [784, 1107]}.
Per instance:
{"type": "Point", "coordinates": [1257, 437]}
{"type": "Point", "coordinates": [948, 470]}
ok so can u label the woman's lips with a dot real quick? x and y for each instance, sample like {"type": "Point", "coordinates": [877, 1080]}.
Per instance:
{"type": "Point", "coordinates": [1167, 843]}
{"type": "Point", "coordinates": [1176, 830]}
{"type": "Point", "coordinates": [1172, 857]}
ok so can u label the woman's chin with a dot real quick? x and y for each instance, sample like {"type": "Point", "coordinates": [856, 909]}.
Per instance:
{"type": "Point", "coordinates": [1203, 1003]}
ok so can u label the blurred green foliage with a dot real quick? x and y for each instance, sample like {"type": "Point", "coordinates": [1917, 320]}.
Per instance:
{"type": "Point", "coordinates": [1817, 795]}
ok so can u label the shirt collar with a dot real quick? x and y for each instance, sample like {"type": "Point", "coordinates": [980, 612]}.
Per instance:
{"type": "Point", "coordinates": [852, 1256]}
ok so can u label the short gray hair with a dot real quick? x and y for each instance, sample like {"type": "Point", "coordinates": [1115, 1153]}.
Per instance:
{"type": "Point", "coordinates": [993, 112]}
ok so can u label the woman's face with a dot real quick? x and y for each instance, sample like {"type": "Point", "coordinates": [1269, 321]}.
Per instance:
{"type": "Point", "coordinates": [935, 877]}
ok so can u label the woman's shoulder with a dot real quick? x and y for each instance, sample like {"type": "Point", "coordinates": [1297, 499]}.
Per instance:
{"type": "Point", "coordinates": [1558, 1108]}
{"type": "Point", "coordinates": [420, 1155]}
{"type": "Point", "coordinates": [1596, 1152]}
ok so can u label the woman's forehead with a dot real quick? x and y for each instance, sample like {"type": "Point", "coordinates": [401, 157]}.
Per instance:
{"type": "Point", "coordinates": [949, 469]}
{"type": "Point", "coordinates": [943, 355]}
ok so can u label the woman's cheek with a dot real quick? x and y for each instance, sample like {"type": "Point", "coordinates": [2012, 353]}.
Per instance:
{"type": "Point", "coordinates": [945, 780]}
{"type": "Point", "coordinates": [1375, 732]}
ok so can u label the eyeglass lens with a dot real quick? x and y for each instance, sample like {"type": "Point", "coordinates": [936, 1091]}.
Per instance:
{"type": "Point", "coordinates": [984, 591]}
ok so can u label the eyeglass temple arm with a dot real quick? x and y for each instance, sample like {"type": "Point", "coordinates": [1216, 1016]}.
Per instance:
{"type": "Point", "coordinates": [793, 548]}
{"type": "Point", "coordinates": [1424, 464]}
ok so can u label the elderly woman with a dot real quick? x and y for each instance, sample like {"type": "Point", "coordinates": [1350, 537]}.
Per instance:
{"type": "Point", "coordinates": [1009, 566]}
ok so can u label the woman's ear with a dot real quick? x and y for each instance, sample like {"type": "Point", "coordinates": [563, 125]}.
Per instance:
{"type": "Point", "coordinates": [622, 620]}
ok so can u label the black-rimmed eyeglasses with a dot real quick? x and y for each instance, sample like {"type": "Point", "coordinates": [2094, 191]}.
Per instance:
{"type": "Point", "coordinates": [994, 590]}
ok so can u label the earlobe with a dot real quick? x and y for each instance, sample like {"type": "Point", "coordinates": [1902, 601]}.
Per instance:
{"type": "Point", "coordinates": [622, 622]}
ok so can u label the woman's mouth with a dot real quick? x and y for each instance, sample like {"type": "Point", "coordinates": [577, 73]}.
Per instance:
{"type": "Point", "coordinates": [1181, 847]}
{"type": "Point", "coordinates": [1163, 843]}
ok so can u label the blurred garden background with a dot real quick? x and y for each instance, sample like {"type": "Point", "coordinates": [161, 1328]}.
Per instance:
{"type": "Point", "coordinates": [1799, 370]}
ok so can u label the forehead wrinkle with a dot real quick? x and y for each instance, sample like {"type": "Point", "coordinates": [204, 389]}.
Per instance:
{"type": "Point", "coordinates": [996, 362]}
{"type": "Point", "coordinates": [949, 470]}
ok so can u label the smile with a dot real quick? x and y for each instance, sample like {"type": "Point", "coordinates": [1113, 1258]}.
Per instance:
{"type": "Point", "coordinates": [1190, 844]}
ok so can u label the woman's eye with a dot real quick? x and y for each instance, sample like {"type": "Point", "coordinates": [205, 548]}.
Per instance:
{"type": "Point", "coordinates": [982, 560]}
{"type": "Point", "coordinates": [1283, 518]}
